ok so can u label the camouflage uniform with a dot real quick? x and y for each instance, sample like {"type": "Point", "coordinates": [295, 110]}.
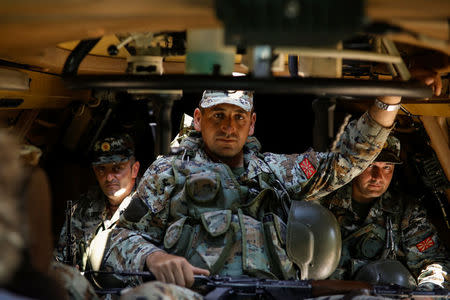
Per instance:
{"type": "Point", "coordinates": [416, 243]}
{"type": "Point", "coordinates": [233, 224]}
{"type": "Point", "coordinates": [76, 286]}
{"type": "Point", "coordinates": [90, 212]}
{"type": "Point", "coordinates": [156, 290]}
{"type": "Point", "coordinates": [89, 218]}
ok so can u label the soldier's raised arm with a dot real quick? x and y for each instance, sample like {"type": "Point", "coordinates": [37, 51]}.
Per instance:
{"type": "Point", "coordinates": [384, 110]}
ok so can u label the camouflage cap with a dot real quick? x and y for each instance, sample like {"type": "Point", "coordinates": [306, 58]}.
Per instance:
{"type": "Point", "coordinates": [112, 149]}
{"type": "Point", "coordinates": [391, 151]}
{"type": "Point", "coordinates": [243, 99]}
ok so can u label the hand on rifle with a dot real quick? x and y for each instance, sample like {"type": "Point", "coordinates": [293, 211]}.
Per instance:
{"type": "Point", "coordinates": [170, 268]}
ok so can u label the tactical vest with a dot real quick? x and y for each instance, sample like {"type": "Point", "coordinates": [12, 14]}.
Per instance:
{"type": "Point", "coordinates": [213, 211]}
{"type": "Point", "coordinates": [372, 242]}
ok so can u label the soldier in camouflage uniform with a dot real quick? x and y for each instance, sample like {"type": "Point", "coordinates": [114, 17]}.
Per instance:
{"type": "Point", "coordinates": [116, 170]}
{"type": "Point", "coordinates": [379, 224]}
{"type": "Point", "coordinates": [220, 206]}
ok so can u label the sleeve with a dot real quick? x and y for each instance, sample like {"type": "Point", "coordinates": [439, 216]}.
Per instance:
{"type": "Point", "coordinates": [426, 255]}
{"type": "Point", "coordinates": [312, 175]}
{"type": "Point", "coordinates": [140, 230]}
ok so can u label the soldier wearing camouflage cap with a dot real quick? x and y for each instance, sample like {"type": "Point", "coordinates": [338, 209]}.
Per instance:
{"type": "Point", "coordinates": [220, 206]}
{"type": "Point", "coordinates": [385, 230]}
{"type": "Point", "coordinates": [116, 170]}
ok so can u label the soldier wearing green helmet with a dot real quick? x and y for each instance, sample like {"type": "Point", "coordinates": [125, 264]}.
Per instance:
{"type": "Point", "coordinates": [386, 234]}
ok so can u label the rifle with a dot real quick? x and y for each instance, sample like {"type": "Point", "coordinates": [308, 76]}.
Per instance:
{"type": "Point", "coordinates": [223, 288]}
{"type": "Point", "coordinates": [70, 255]}
{"type": "Point", "coordinates": [252, 288]}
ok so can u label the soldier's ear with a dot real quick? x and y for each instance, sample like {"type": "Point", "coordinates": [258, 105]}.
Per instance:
{"type": "Point", "coordinates": [252, 124]}
{"type": "Point", "coordinates": [135, 169]}
{"type": "Point", "coordinates": [198, 120]}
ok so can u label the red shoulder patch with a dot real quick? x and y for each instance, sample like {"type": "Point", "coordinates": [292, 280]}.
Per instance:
{"type": "Point", "coordinates": [307, 168]}
{"type": "Point", "coordinates": [425, 244]}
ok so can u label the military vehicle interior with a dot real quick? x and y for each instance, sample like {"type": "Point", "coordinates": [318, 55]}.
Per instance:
{"type": "Point", "coordinates": [73, 70]}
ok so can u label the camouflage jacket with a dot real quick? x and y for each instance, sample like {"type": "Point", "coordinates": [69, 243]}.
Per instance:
{"type": "Point", "coordinates": [416, 243]}
{"type": "Point", "coordinates": [89, 217]}
{"type": "Point", "coordinates": [190, 206]}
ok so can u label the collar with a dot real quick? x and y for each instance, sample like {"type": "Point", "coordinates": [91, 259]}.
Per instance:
{"type": "Point", "coordinates": [193, 141]}
{"type": "Point", "coordinates": [342, 198]}
{"type": "Point", "coordinates": [253, 164]}
{"type": "Point", "coordinates": [390, 204]}
{"type": "Point", "coordinates": [121, 208]}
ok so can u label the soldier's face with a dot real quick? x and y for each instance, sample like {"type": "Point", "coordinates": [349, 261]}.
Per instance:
{"type": "Point", "coordinates": [224, 128]}
{"type": "Point", "coordinates": [117, 179]}
{"type": "Point", "coordinates": [374, 181]}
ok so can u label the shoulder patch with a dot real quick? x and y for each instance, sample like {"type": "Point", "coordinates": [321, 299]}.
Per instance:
{"type": "Point", "coordinates": [307, 168]}
{"type": "Point", "coordinates": [425, 244]}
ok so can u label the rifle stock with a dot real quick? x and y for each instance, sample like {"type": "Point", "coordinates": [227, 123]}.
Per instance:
{"type": "Point", "coordinates": [337, 287]}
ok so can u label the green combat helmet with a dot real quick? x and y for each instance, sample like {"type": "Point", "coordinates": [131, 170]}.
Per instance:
{"type": "Point", "coordinates": [386, 271]}
{"type": "Point", "coordinates": [313, 239]}
{"type": "Point", "coordinates": [112, 149]}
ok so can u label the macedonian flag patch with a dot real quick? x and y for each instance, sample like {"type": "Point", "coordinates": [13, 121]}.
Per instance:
{"type": "Point", "coordinates": [425, 244]}
{"type": "Point", "coordinates": [307, 168]}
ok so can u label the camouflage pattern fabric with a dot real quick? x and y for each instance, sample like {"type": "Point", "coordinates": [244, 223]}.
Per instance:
{"type": "Point", "coordinates": [113, 149]}
{"type": "Point", "coordinates": [156, 290]}
{"type": "Point", "coordinates": [88, 219]}
{"type": "Point", "coordinates": [161, 291]}
{"type": "Point", "coordinates": [416, 243]}
{"type": "Point", "coordinates": [243, 99]}
{"type": "Point", "coordinates": [200, 210]}
{"type": "Point", "coordinates": [77, 287]}
{"type": "Point", "coordinates": [391, 151]}
{"type": "Point", "coordinates": [11, 238]}
{"type": "Point", "coordinates": [12, 234]}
